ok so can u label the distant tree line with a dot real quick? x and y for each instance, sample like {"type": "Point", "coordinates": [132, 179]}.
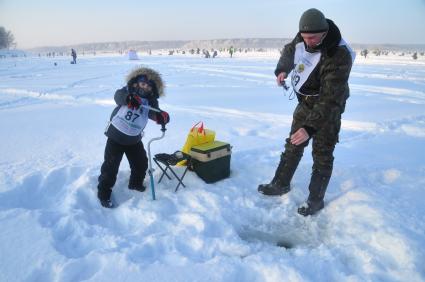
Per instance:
{"type": "Point", "coordinates": [7, 39]}
{"type": "Point", "coordinates": [378, 52]}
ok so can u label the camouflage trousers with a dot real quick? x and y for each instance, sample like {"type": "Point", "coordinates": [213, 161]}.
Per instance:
{"type": "Point", "coordinates": [324, 140]}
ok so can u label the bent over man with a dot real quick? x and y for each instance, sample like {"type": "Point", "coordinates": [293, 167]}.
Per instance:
{"type": "Point", "coordinates": [319, 62]}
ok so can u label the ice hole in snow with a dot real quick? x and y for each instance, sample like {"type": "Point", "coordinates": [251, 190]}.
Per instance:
{"type": "Point", "coordinates": [288, 238]}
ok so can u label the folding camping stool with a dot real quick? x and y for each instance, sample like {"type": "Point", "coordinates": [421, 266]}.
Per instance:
{"type": "Point", "coordinates": [169, 160]}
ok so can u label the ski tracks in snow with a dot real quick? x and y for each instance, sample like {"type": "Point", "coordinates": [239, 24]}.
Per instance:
{"type": "Point", "coordinates": [352, 131]}
{"type": "Point", "coordinates": [23, 98]}
{"type": "Point", "coordinates": [356, 130]}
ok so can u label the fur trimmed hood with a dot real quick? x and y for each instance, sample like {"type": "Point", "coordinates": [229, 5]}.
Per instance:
{"type": "Point", "coordinates": [151, 75]}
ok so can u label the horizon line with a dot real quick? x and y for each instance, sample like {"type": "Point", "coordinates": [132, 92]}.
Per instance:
{"type": "Point", "coordinates": [193, 40]}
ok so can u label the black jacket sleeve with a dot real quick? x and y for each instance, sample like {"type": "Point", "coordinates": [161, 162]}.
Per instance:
{"type": "Point", "coordinates": [120, 96]}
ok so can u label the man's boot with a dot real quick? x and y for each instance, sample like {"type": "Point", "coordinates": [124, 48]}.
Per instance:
{"type": "Point", "coordinates": [280, 183]}
{"type": "Point", "coordinates": [318, 185]}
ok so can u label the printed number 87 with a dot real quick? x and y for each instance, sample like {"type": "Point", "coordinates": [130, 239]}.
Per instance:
{"type": "Point", "coordinates": [130, 114]}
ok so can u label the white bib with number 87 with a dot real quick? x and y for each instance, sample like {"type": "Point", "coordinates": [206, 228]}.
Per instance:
{"type": "Point", "coordinates": [131, 122]}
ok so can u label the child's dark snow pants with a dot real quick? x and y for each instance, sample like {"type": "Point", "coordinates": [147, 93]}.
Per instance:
{"type": "Point", "coordinates": [114, 151]}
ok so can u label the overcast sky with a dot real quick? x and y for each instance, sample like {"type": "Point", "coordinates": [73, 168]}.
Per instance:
{"type": "Point", "coordinates": [53, 22]}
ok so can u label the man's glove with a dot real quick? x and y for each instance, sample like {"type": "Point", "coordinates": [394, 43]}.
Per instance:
{"type": "Point", "coordinates": [133, 101]}
{"type": "Point", "coordinates": [162, 118]}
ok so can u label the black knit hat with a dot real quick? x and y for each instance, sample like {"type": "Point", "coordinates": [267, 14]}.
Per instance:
{"type": "Point", "coordinates": [313, 21]}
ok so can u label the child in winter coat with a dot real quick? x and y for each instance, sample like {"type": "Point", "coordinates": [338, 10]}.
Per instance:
{"type": "Point", "coordinates": [125, 130]}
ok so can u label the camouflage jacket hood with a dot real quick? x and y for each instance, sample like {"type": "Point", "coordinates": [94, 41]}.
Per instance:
{"type": "Point", "coordinates": [151, 75]}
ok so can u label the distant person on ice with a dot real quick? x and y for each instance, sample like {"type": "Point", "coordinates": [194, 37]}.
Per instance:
{"type": "Point", "coordinates": [231, 50]}
{"type": "Point", "coordinates": [125, 130]}
{"type": "Point", "coordinates": [320, 61]}
{"type": "Point", "coordinates": [74, 56]}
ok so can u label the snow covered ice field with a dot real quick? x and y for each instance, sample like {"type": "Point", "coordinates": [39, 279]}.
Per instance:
{"type": "Point", "coordinates": [52, 227]}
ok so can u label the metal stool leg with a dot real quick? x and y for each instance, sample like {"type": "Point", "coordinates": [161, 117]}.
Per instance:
{"type": "Point", "coordinates": [168, 167]}
{"type": "Point", "coordinates": [181, 180]}
{"type": "Point", "coordinates": [164, 171]}
{"type": "Point", "coordinates": [178, 179]}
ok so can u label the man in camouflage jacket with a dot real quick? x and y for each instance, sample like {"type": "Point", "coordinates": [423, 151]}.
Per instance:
{"type": "Point", "coordinates": [320, 62]}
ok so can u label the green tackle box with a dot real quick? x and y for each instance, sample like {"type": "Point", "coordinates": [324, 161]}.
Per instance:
{"type": "Point", "coordinates": [211, 161]}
